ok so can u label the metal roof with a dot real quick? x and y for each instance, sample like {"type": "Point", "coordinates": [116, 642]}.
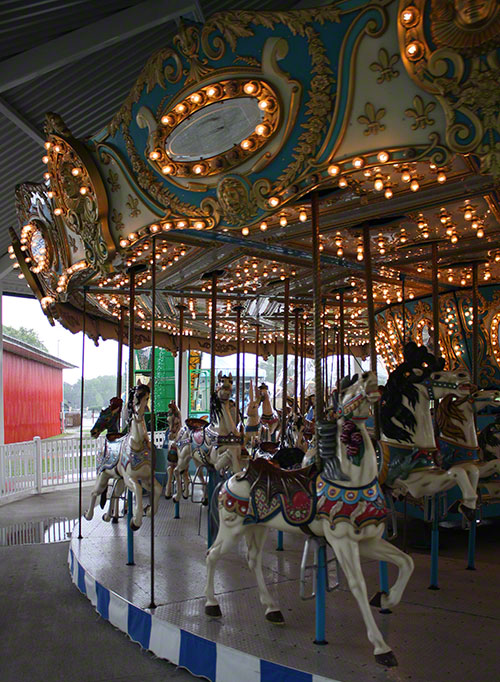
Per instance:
{"type": "Point", "coordinates": [86, 91]}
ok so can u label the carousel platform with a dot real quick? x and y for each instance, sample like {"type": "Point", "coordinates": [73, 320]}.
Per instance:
{"type": "Point", "coordinates": [436, 635]}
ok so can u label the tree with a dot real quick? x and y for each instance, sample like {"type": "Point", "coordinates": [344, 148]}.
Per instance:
{"type": "Point", "coordinates": [29, 336]}
{"type": "Point", "coordinates": [97, 392]}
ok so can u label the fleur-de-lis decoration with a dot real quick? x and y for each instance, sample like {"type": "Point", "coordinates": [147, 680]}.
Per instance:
{"type": "Point", "coordinates": [113, 180]}
{"type": "Point", "coordinates": [117, 218]}
{"type": "Point", "coordinates": [420, 113]}
{"type": "Point", "coordinates": [385, 65]}
{"type": "Point", "coordinates": [133, 203]}
{"type": "Point", "coordinates": [371, 119]}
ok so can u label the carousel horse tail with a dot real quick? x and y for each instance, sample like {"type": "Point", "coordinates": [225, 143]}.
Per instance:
{"type": "Point", "coordinates": [327, 446]}
{"type": "Point", "coordinates": [104, 497]}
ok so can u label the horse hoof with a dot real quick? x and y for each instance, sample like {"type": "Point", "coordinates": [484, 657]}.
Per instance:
{"type": "Point", "coordinates": [468, 512]}
{"type": "Point", "coordinates": [275, 617]}
{"type": "Point", "coordinates": [376, 600]}
{"type": "Point", "coordinates": [213, 611]}
{"type": "Point", "coordinates": [105, 517]}
{"type": "Point", "coordinates": [168, 497]}
{"type": "Point", "coordinates": [205, 503]}
{"type": "Point", "coordinates": [114, 520]}
{"type": "Point", "coordinates": [147, 510]}
{"type": "Point", "coordinates": [133, 527]}
{"type": "Point", "coordinates": [388, 660]}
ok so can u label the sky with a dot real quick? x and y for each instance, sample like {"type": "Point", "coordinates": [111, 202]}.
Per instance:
{"type": "Point", "coordinates": [26, 312]}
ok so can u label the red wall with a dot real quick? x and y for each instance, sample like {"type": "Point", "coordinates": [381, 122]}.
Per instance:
{"type": "Point", "coordinates": [32, 398]}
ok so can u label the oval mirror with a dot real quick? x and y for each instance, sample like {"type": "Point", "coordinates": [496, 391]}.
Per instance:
{"type": "Point", "coordinates": [214, 129]}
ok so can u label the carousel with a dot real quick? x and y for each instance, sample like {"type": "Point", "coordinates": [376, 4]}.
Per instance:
{"type": "Point", "coordinates": [317, 188]}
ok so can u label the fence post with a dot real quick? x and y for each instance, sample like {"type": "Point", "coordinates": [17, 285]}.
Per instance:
{"type": "Point", "coordinates": [2, 471]}
{"type": "Point", "coordinates": [38, 463]}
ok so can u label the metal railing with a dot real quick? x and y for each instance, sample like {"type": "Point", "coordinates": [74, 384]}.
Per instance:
{"type": "Point", "coordinates": [26, 468]}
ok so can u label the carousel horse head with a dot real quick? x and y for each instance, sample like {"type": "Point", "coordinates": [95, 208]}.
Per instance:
{"type": "Point", "coordinates": [356, 395]}
{"type": "Point", "coordinates": [485, 397]}
{"type": "Point", "coordinates": [173, 418]}
{"type": "Point", "coordinates": [263, 392]}
{"type": "Point", "coordinates": [224, 386]}
{"type": "Point", "coordinates": [108, 418]}
{"type": "Point", "coordinates": [295, 425]}
{"type": "Point", "coordinates": [138, 400]}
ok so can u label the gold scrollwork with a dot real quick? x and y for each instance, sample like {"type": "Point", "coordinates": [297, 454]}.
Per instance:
{"type": "Point", "coordinates": [371, 119]}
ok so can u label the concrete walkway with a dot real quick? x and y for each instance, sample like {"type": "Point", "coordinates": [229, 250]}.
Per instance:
{"type": "Point", "coordinates": [49, 631]}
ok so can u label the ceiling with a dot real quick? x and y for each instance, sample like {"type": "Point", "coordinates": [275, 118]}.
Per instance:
{"type": "Point", "coordinates": [80, 59]}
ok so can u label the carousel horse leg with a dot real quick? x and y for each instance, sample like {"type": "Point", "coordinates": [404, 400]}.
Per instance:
{"type": "Point", "coordinates": [113, 513]}
{"type": "Point", "coordinates": [348, 554]}
{"type": "Point", "coordinates": [136, 489]}
{"type": "Point", "coordinates": [99, 488]}
{"type": "Point", "coordinates": [170, 480]}
{"type": "Point", "coordinates": [181, 466]}
{"type": "Point", "coordinates": [385, 552]}
{"type": "Point", "coordinates": [256, 537]}
{"type": "Point", "coordinates": [227, 537]}
{"type": "Point", "coordinates": [154, 495]}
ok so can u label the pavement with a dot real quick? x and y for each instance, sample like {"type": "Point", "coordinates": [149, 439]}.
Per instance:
{"type": "Point", "coordinates": [48, 629]}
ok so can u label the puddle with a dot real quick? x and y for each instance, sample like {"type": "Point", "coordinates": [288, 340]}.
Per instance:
{"type": "Point", "coordinates": [56, 529]}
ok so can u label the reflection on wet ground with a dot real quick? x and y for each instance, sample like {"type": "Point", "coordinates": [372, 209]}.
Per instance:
{"type": "Point", "coordinates": [56, 529]}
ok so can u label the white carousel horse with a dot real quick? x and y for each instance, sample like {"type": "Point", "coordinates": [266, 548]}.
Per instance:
{"type": "Point", "coordinates": [489, 468]}
{"type": "Point", "coordinates": [128, 458]}
{"type": "Point", "coordinates": [253, 426]}
{"type": "Point", "coordinates": [294, 431]}
{"type": "Point", "coordinates": [218, 444]}
{"type": "Point", "coordinates": [269, 418]}
{"type": "Point", "coordinates": [408, 443]}
{"type": "Point", "coordinates": [343, 504]}
{"type": "Point", "coordinates": [174, 424]}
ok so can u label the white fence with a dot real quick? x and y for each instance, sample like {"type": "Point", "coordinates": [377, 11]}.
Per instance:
{"type": "Point", "coordinates": [27, 467]}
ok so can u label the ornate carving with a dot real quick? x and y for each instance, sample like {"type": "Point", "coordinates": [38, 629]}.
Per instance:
{"type": "Point", "coordinates": [112, 178]}
{"type": "Point", "coordinates": [235, 200]}
{"type": "Point", "coordinates": [385, 66]}
{"type": "Point", "coordinates": [371, 119]}
{"type": "Point", "coordinates": [117, 219]}
{"type": "Point", "coordinates": [458, 62]}
{"type": "Point", "coordinates": [420, 113]}
{"type": "Point", "coordinates": [188, 41]}
{"type": "Point", "coordinates": [133, 206]}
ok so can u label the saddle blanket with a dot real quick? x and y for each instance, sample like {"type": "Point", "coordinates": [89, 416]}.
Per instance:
{"type": "Point", "coordinates": [358, 506]}
{"type": "Point", "coordinates": [108, 457]}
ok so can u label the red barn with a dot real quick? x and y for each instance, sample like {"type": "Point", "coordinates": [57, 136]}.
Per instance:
{"type": "Point", "coordinates": [32, 391]}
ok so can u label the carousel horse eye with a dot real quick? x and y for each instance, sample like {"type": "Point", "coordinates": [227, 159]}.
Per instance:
{"type": "Point", "coordinates": [437, 376]}
{"type": "Point", "coordinates": [365, 375]}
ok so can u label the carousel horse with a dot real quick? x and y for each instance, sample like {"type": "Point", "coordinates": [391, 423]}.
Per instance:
{"type": "Point", "coordinates": [408, 442]}
{"type": "Point", "coordinates": [269, 418]}
{"type": "Point", "coordinates": [489, 444]}
{"type": "Point", "coordinates": [109, 421]}
{"type": "Point", "coordinates": [253, 426]}
{"type": "Point", "coordinates": [128, 457]}
{"type": "Point", "coordinates": [344, 504]}
{"type": "Point", "coordinates": [294, 431]}
{"type": "Point", "coordinates": [217, 444]}
{"type": "Point", "coordinates": [174, 424]}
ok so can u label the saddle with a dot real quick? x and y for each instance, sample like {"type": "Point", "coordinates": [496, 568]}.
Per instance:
{"type": "Point", "coordinates": [274, 490]}
{"type": "Point", "coordinates": [110, 454]}
{"type": "Point", "coordinates": [195, 423]}
{"type": "Point", "coordinates": [269, 447]}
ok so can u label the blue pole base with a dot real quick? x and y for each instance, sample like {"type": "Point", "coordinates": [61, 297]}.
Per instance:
{"type": "Point", "coordinates": [471, 552]}
{"type": "Point", "coordinates": [322, 643]}
{"type": "Point", "coordinates": [279, 547]}
{"type": "Point", "coordinates": [130, 534]}
{"type": "Point", "coordinates": [177, 510]}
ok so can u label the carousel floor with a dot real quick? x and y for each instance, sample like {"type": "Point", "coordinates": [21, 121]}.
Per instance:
{"type": "Point", "coordinates": [436, 635]}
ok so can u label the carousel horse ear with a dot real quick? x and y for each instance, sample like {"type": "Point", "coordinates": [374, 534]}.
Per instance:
{"type": "Point", "coordinates": [354, 379]}
{"type": "Point", "coordinates": [230, 377]}
{"type": "Point", "coordinates": [219, 376]}
{"type": "Point", "coordinates": [139, 382]}
{"type": "Point", "coordinates": [250, 392]}
{"type": "Point", "coordinates": [440, 362]}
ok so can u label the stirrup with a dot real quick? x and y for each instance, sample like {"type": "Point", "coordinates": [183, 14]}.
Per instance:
{"type": "Point", "coordinates": [305, 567]}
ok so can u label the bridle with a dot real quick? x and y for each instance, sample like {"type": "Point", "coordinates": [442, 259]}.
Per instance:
{"type": "Point", "coordinates": [430, 384]}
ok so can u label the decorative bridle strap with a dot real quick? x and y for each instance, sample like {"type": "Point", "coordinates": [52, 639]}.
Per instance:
{"type": "Point", "coordinates": [349, 407]}
{"type": "Point", "coordinates": [229, 439]}
{"type": "Point", "coordinates": [430, 383]}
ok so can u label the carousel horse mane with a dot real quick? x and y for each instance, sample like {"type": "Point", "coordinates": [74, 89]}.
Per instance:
{"type": "Point", "coordinates": [136, 391]}
{"type": "Point", "coordinates": [448, 411]}
{"type": "Point", "coordinates": [401, 383]}
{"type": "Point", "coordinates": [216, 409]}
{"type": "Point", "coordinates": [327, 447]}
{"type": "Point", "coordinates": [490, 435]}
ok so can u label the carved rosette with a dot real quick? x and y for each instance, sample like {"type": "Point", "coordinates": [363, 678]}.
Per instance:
{"type": "Point", "coordinates": [457, 59]}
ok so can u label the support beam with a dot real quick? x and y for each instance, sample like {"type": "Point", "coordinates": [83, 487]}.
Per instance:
{"type": "Point", "coordinates": [21, 122]}
{"type": "Point", "coordinates": [76, 45]}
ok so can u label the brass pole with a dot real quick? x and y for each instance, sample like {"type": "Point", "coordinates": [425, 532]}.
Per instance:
{"type": "Point", "coordinates": [475, 325]}
{"type": "Point", "coordinates": [80, 460]}
{"type": "Point", "coordinates": [318, 389]}
{"type": "Point", "coordinates": [152, 605]}
{"type": "Point", "coordinates": [342, 334]}
{"type": "Point", "coordinates": [238, 309]}
{"type": "Point", "coordinates": [120, 353]}
{"type": "Point", "coordinates": [435, 300]}
{"type": "Point", "coordinates": [371, 314]}
{"type": "Point", "coordinates": [296, 312]}
{"type": "Point", "coordinates": [181, 308]}
{"type": "Point", "coordinates": [275, 368]}
{"type": "Point", "coordinates": [284, 390]}
{"type": "Point", "coordinates": [257, 340]}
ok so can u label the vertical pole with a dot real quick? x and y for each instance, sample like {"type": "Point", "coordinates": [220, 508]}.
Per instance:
{"type": "Point", "coordinates": [296, 312]}
{"type": "Point", "coordinates": [403, 306]}
{"type": "Point", "coordinates": [257, 341]}
{"type": "Point", "coordinates": [302, 367]}
{"type": "Point", "coordinates": [131, 341]}
{"type": "Point", "coordinates": [342, 334]}
{"type": "Point", "coordinates": [320, 594]}
{"type": "Point", "coordinates": [211, 473]}
{"type": "Point", "coordinates": [243, 377]}
{"type": "Point", "coordinates": [181, 308]}
{"type": "Point", "coordinates": [80, 461]}
{"type": "Point", "coordinates": [371, 315]}
{"type": "Point", "coordinates": [284, 388]}
{"type": "Point", "coordinates": [238, 309]}
{"type": "Point", "coordinates": [475, 325]}
{"type": "Point", "coordinates": [435, 300]}
{"type": "Point", "coordinates": [318, 389]}
{"type": "Point", "coordinates": [120, 354]}
{"type": "Point", "coordinates": [275, 368]}
{"type": "Point", "coordinates": [152, 604]}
